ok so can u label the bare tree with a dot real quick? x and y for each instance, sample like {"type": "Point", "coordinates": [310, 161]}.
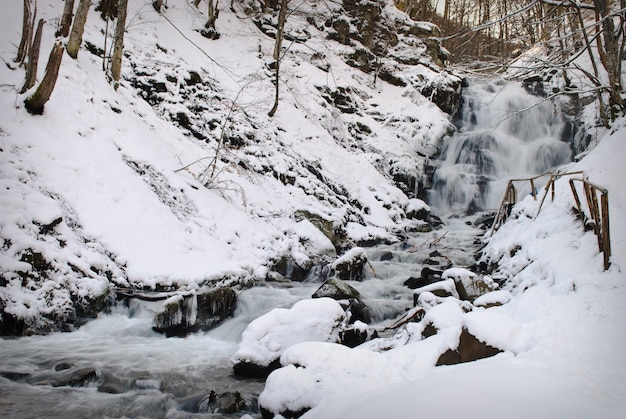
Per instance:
{"type": "Point", "coordinates": [118, 46]}
{"type": "Point", "coordinates": [612, 53]}
{"type": "Point", "coordinates": [33, 58]}
{"type": "Point", "coordinates": [78, 28]}
{"type": "Point", "coordinates": [28, 23]}
{"type": "Point", "coordinates": [282, 17]}
{"type": "Point", "coordinates": [66, 19]}
{"type": "Point", "coordinates": [35, 103]}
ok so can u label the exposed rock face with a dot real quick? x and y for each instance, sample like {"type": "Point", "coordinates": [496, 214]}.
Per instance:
{"type": "Point", "coordinates": [469, 349]}
{"type": "Point", "coordinates": [184, 314]}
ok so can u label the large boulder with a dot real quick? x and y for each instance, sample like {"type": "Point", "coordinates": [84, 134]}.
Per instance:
{"type": "Point", "coordinates": [182, 314]}
{"type": "Point", "coordinates": [268, 336]}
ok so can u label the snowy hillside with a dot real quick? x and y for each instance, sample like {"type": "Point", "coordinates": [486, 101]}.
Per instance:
{"type": "Point", "coordinates": [179, 178]}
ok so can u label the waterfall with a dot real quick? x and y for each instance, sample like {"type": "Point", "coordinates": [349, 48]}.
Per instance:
{"type": "Point", "coordinates": [504, 132]}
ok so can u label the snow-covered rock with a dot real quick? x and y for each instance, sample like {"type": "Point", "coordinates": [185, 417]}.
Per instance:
{"type": "Point", "coordinates": [268, 336]}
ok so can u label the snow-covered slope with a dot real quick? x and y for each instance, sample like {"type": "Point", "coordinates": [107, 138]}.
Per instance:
{"type": "Point", "coordinates": [179, 178]}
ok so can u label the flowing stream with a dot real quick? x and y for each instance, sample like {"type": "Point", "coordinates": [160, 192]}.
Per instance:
{"type": "Point", "coordinates": [117, 366]}
{"type": "Point", "coordinates": [504, 133]}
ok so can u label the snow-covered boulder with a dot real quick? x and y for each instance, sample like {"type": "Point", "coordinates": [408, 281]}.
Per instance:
{"type": "Point", "coordinates": [350, 266]}
{"type": "Point", "coordinates": [485, 333]}
{"type": "Point", "coordinates": [268, 336]}
{"type": "Point", "coordinates": [469, 285]}
{"type": "Point", "coordinates": [417, 209]}
{"type": "Point", "coordinates": [493, 299]}
{"type": "Point", "coordinates": [443, 288]}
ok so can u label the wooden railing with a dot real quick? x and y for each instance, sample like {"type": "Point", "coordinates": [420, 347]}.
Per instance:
{"type": "Point", "coordinates": [598, 214]}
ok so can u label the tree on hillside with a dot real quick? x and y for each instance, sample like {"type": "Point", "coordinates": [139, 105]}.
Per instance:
{"type": "Point", "coordinates": [118, 45]}
{"type": "Point", "coordinates": [33, 58]}
{"type": "Point", "coordinates": [35, 103]}
{"type": "Point", "coordinates": [28, 23]}
{"type": "Point", "coordinates": [209, 30]}
{"type": "Point", "coordinates": [66, 19]}
{"type": "Point", "coordinates": [280, 33]}
{"type": "Point", "coordinates": [78, 28]}
{"type": "Point", "coordinates": [612, 52]}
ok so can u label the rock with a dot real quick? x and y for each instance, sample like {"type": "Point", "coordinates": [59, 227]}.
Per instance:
{"type": "Point", "coordinates": [534, 85]}
{"type": "Point", "coordinates": [445, 93]}
{"type": "Point", "coordinates": [267, 337]}
{"type": "Point", "coordinates": [254, 370]}
{"type": "Point", "coordinates": [184, 314]}
{"type": "Point", "coordinates": [288, 268]}
{"type": "Point", "coordinates": [332, 229]}
{"type": "Point", "coordinates": [443, 288]}
{"type": "Point", "coordinates": [357, 334]}
{"type": "Point", "coordinates": [350, 266]}
{"type": "Point", "coordinates": [417, 209]}
{"type": "Point", "coordinates": [485, 221]}
{"type": "Point", "coordinates": [112, 384]}
{"type": "Point", "coordinates": [427, 276]}
{"type": "Point", "coordinates": [469, 349]}
{"type": "Point", "coordinates": [336, 289]}
{"type": "Point", "coordinates": [440, 262]}
{"type": "Point", "coordinates": [493, 299]}
{"type": "Point", "coordinates": [469, 285]}
{"type": "Point", "coordinates": [342, 98]}
{"type": "Point", "coordinates": [73, 377]}
{"type": "Point", "coordinates": [225, 403]}
{"type": "Point", "coordinates": [357, 310]}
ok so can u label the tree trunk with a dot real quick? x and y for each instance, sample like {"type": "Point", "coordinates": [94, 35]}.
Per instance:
{"type": "Point", "coordinates": [33, 59]}
{"type": "Point", "coordinates": [612, 58]}
{"type": "Point", "coordinates": [27, 30]}
{"type": "Point", "coordinates": [282, 16]}
{"type": "Point", "coordinates": [66, 19]}
{"type": "Point", "coordinates": [35, 103]}
{"type": "Point", "coordinates": [209, 30]}
{"type": "Point", "coordinates": [78, 28]}
{"type": "Point", "coordinates": [118, 46]}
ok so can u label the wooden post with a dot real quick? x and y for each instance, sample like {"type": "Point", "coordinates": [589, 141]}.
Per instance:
{"type": "Point", "coordinates": [575, 193]}
{"type": "Point", "coordinates": [606, 237]}
{"type": "Point", "coordinates": [532, 189]}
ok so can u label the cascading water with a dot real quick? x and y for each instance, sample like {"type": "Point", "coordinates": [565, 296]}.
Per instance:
{"type": "Point", "coordinates": [504, 132]}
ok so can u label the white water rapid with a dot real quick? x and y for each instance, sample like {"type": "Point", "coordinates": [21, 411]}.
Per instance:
{"type": "Point", "coordinates": [504, 133]}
